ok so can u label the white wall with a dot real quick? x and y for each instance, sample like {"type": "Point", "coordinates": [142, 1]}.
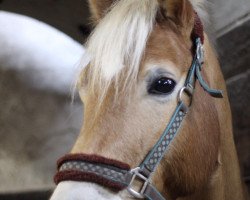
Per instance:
{"type": "Point", "coordinates": [229, 13]}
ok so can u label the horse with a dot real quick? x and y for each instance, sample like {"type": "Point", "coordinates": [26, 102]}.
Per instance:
{"type": "Point", "coordinates": [30, 38]}
{"type": "Point", "coordinates": [27, 80]}
{"type": "Point", "coordinates": [154, 126]}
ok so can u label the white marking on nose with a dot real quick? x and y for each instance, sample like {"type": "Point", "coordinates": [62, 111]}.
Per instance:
{"type": "Point", "coordinates": [70, 190]}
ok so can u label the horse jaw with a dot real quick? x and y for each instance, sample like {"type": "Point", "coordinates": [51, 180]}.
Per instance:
{"type": "Point", "coordinates": [70, 190]}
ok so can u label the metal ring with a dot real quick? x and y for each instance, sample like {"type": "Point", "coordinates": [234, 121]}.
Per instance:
{"type": "Point", "coordinates": [188, 91]}
{"type": "Point", "coordinates": [144, 180]}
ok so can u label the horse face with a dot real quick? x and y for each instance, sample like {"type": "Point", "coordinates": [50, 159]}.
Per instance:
{"type": "Point", "coordinates": [124, 123]}
{"type": "Point", "coordinates": [133, 121]}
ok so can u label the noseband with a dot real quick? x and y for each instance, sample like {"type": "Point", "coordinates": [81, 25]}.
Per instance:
{"type": "Point", "coordinates": [117, 175]}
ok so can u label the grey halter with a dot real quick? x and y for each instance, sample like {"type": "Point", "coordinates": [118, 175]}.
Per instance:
{"type": "Point", "coordinates": [144, 172]}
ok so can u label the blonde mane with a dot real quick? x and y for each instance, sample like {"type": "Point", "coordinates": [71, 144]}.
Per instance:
{"type": "Point", "coordinates": [117, 45]}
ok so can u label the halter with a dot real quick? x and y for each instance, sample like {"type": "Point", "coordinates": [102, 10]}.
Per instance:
{"type": "Point", "coordinates": [117, 175]}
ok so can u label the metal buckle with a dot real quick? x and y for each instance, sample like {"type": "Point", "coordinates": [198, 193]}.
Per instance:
{"type": "Point", "coordinates": [199, 51]}
{"type": "Point", "coordinates": [189, 91]}
{"type": "Point", "coordinates": [138, 176]}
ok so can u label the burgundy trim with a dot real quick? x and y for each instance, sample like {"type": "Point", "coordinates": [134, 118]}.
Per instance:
{"type": "Point", "coordinates": [92, 159]}
{"type": "Point", "coordinates": [71, 175]}
{"type": "Point", "coordinates": [198, 30]}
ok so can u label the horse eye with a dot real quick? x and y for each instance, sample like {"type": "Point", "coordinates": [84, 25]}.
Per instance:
{"type": "Point", "coordinates": [162, 86]}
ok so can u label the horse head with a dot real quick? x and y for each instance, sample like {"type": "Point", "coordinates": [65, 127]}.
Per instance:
{"type": "Point", "coordinates": [149, 61]}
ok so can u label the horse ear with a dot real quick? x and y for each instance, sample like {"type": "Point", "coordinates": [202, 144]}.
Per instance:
{"type": "Point", "coordinates": [99, 8]}
{"type": "Point", "coordinates": [181, 12]}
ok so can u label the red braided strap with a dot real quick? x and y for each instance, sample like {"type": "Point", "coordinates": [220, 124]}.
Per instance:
{"type": "Point", "coordinates": [92, 159]}
{"type": "Point", "coordinates": [198, 30]}
{"type": "Point", "coordinates": [77, 175]}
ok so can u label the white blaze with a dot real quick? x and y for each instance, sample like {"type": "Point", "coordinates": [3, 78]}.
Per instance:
{"type": "Point", "coordinates": [70, 190]}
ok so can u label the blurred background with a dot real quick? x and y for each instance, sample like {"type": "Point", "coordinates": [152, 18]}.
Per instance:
{"type": "Point", "coordinates": [38, 122]}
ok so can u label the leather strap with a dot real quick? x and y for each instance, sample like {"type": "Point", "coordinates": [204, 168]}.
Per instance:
{"type": "Point", "coordinates": [158, 151]}
{"type": "Point", "coordinates": [121, 178]}
{"type": "Point", "coordinates": [152, 194]}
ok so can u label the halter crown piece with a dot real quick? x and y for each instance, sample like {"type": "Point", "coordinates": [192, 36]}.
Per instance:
{"type": "Point", "coordinates": [117, 175]}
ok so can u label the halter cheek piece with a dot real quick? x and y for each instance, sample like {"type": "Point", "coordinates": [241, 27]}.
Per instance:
{"type": "Point", "coordinates": [117, 175]}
